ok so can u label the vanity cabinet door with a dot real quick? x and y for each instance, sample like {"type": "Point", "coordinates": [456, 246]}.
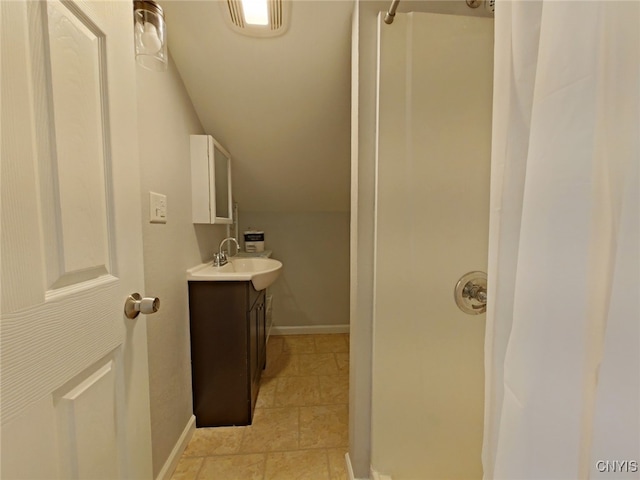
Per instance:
{"type": "Point", "coordinates": [256, 345]}
{"type": "Point", "coordinates": [262, 334]}
{"type": "Point", "coordinates": [227, 326]}
{"type": "Point", "coordinates": [219, 353]}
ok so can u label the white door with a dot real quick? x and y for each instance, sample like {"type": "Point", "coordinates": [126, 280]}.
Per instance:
{"type": "Point", "coordinates": [74, 385]}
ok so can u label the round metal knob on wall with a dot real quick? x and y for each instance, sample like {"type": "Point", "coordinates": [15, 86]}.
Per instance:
{"type": "Point", "coordinates": [135, 305]}
{"type": "Point", "coordinates": [470, 293]}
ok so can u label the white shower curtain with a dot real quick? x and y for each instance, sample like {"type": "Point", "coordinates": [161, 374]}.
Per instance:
{"type": "Point", "coordinates": [563, 324]}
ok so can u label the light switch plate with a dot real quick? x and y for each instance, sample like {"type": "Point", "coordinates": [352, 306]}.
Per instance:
{"type": "Point", "coordinates": [157, 208]}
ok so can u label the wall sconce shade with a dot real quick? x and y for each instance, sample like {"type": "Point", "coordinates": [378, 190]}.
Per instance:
{"type": "Point", "coordinates": [150, 35]}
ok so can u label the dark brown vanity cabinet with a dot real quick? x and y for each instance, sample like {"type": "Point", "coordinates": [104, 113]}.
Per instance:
{"type": "Point", "coordinates": [228, 350]}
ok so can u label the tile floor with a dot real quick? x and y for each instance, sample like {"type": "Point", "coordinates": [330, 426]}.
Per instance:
{"type": "Point", "coordinates": [299, 429]}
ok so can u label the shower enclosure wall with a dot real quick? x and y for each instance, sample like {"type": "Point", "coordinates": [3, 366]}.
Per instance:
{"type": "Point", "coordinates": [431, 227]}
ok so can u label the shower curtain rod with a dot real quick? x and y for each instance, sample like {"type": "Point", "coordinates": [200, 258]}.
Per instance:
{"type": "Point", "coordinates": [489, 5]}
{"type": "Point", "coordinates": [388, 18]}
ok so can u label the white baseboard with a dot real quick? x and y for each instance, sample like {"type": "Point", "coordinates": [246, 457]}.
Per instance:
{"type": "Point", "coordinates": [172, 462]}
{"type": "Point", "coordinates": [347, 460]}
{"type": "Point", "coordinates": [350, 474]}
{"type": "Point", "coordinates": [309, 329]}
{"type": "Point", "coordinates": [378, 476]}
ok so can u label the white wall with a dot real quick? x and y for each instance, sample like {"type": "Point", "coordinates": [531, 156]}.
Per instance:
{"type": "Point", "coordinates": [432, 212]}
{"type": "Point", "coordinates": [166, 119]}
{"type": "Point", "coordinates": [313, 289]}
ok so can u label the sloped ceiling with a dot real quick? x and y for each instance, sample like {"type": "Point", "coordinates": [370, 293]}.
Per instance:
{"type": "Point", "coordinates": [281, 105]}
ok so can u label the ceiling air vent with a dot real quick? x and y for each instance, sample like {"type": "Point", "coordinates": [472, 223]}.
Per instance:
{"type": "Point", "coordinates": [258, 18]}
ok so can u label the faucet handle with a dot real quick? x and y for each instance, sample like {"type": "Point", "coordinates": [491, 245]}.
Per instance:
{"type": "Point", "coordinates": [219, 259]}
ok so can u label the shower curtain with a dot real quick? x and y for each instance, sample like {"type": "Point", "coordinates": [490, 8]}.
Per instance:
{"type": "Point", "coordinates": [562, 357]}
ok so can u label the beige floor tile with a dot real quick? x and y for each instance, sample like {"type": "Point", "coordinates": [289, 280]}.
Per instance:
{"type": "Point", "coordinates": [317, 364]}
{"type": "Point", "coordinates": [332, 343]}
{"type": "Point", "coordinates": [233, 467]}
{"type": "Point", "coordinates": [334, 389]}
{"type": "Point", "coordinates": [300, 465]}
{"type": "Point", "coordinates": [297, 391]}
{"type": "Point", "coordinates": [282, 365]}
{"type": "Point", "coordinates": [214, 441]}
{"type": "Point", "coordinates": [188, 468]}
{"type": "Point", "coordinates": [342, 360]}
{"type": "Point", "coordinates": [299, 344]}
{"type": "Point", "coordinates": [267, 392]}
{"type": "Point", "coordinates": [275, 344]}
{"type": "Point", "coordinates": [307, 440]}
{"type": "Point", "coordinates": [337, 464]}
{"type": "Point", "coordinates": [273, 429]}
{"type": "Point", "coordinates": [324, 426]}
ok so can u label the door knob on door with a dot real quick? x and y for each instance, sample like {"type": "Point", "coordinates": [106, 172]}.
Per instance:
{"type": "Point", "coordinates": [135, 305]}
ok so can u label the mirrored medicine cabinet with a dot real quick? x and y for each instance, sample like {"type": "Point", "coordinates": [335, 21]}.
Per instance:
{"type": "Point", "coordinates": [210, 181]}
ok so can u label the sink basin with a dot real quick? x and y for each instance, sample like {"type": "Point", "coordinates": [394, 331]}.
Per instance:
{"type": "Point", "coordinates": [262, 272]}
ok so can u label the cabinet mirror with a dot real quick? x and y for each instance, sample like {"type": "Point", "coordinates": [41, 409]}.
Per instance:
{"type": "Point", "coordinates": [210, 181]}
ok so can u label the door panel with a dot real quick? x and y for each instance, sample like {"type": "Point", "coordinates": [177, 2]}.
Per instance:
{"type": "Point", "coordinates": [80, 158]}
{"type": "Point", "coordinates": [87, 424]}
{"type": "Point", "coordinates": [74, 387]}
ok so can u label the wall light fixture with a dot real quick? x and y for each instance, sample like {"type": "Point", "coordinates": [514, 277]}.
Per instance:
{"type": "Point", "coordinates": [150, 34]}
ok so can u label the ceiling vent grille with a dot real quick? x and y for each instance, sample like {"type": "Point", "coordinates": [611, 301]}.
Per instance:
{"type": "Point", "coordinates": [235, 12]}
{"type": "Point", "coordinates": [275, 11]}
{"type": "Point", "coordinates": [278, 12]}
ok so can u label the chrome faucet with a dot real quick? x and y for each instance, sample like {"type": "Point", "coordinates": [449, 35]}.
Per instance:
{"type": "Point", "coordinates": [227, 240]}
{"type": "Point", "coordinates": [221, 258]}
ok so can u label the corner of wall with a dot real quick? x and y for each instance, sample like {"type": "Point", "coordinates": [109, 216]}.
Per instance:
{"type": "Point", "coordinates": [174, 457]}
{"type": "Point", "coordinates": [166, 119]}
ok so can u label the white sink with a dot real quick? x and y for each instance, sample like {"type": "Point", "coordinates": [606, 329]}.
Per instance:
{"type": "Point", "coordinates": [262, 272]}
